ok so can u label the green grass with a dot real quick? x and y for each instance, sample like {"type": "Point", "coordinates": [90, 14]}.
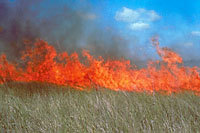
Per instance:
{"type": "Point", "coordinates": [45, 108]}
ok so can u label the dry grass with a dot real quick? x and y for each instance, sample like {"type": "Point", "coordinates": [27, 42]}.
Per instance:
{"type": "Point", "coordinates": [45, 108]}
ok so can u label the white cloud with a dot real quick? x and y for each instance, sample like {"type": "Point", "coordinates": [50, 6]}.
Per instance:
{"type": "Point", "coordinates": [137, 19]}
{"type": "Point", "coordinates": [195, 33]}
{"type": "Point", "coordinates": [153, 15]}
{"type": "Point", "coordinates": [141, 14]}
{"type": "Point", "coordinates": [139, 26]}
{"type": "Point", "coordinates": [127, 15]}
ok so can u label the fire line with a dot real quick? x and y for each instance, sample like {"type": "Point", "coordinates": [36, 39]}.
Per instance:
{"type": "Point", "coordinates": [43, 64]}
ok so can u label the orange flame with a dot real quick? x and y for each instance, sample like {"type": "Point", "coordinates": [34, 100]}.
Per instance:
{"type": "Point", "coordinates": [44, 64]}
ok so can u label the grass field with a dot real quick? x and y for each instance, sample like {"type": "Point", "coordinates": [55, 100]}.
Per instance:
{"type": "Point", "coordinates": [47, 108]}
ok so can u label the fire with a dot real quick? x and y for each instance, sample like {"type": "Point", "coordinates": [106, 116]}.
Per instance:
{"type": "Point", "coordinates": [43, 64]}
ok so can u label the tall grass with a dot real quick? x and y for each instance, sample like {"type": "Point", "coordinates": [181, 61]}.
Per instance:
{"type": "Point", "coordinates": [47, 108]}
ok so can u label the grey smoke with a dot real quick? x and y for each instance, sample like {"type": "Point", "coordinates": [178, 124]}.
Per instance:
{"type": "Point", "coordinates": [65, 27]}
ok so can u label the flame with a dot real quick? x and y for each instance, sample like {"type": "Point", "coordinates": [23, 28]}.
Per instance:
{"type": "Point", "coordinates": [43, 64]}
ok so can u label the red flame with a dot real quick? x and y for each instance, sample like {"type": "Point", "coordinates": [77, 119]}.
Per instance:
{"type": "Point", "coordinates": [44, 64]}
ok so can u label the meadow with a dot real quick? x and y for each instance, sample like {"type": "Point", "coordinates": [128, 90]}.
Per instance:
{"type": "Point", "coordinates": [34, 107]}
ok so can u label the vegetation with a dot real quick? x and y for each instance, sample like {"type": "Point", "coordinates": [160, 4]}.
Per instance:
{"type": "Point", "coordinates": [48, 108]}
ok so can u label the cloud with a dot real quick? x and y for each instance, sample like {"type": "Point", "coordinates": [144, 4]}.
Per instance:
{"type": "Point", "coordinates": [137, 19]}
{"type": "Point", "coordinates": [195, 33]}
{"type": "Point", "coordinates": [139, 26]}
{"type": "Point", "coordinates": [127, 15]}
{"type": "Point", "coordinates": [141, 14]}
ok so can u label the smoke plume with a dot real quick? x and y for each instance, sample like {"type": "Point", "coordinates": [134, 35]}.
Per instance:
{"type": "Point", "coordinates": [69, 28]}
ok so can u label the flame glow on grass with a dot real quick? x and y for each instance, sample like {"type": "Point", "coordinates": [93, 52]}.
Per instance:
{"type": "Point", "coordinates": [43, 64]}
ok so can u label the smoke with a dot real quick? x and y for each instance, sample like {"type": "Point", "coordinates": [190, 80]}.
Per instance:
{"type": "Point", "coordinates": [17, 24]}
{"type": "Point", "coordinates": [68, 26]}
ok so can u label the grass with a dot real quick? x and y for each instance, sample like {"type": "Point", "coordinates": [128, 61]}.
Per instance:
{"type": "Point", "coordinates": [47, 108]}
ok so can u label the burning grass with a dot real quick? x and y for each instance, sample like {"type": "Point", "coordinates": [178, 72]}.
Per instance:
{"type": "Point", "coordinates": [47, 108]}
{"type": "Point", "coordinates": [41, 63]}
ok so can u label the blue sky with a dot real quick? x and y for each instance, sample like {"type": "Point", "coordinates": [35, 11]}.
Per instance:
{"type": "Point", "coordinates": [176, 22]}
{"type": "Point", "coordinates": [174, 15]}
